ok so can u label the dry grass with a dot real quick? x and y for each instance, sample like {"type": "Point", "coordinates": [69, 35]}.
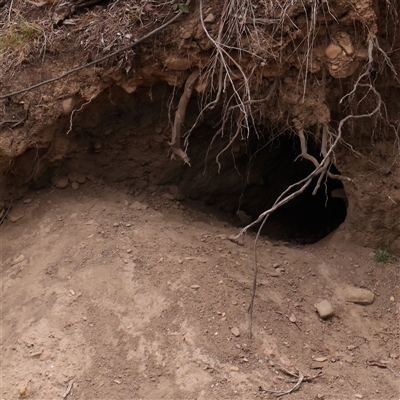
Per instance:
{"type": "Point", "coordinates": [30, 33]}
{"type": "Point", "coordinates": [19, 36]}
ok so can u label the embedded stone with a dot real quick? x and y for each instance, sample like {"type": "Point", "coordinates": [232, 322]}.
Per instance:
{"type": "Point", "coordinates": [77, 177]}
{"type": "Point", "coordinates": [177, 64]}
{"type": "Point", "coordinates": [356, 295]}
{"type": "Point", "coordinates": [333, 51]}
{"type": "Point", "coordinates": [60, 182]}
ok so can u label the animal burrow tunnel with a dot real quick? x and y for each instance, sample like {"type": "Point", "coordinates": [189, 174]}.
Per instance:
{"type": "Point", "coordinates": [123, 139]}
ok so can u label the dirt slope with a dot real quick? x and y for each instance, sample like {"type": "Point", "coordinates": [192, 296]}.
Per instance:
{"type": "Point", "coordinates": [135, 297]}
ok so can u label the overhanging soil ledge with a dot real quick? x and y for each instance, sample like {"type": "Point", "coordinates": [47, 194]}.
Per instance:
{"type": "Point", "coordinates": [318, 60]}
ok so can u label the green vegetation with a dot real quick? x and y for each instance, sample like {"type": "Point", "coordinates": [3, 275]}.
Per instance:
{"type": "Point", "coordinates": [18, 36]}
{"type": "Point", "coordinates": [383, 255]}
{"type": "Point", "coordinates": [181, 7]}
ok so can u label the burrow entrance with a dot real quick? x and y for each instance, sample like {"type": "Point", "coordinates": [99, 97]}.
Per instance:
{"type": "Point", "coordinates": [122, 138]}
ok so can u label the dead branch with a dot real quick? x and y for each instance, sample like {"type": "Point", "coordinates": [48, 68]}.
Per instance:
{"type": "Point", "coordinates": [180, 117]}
{"type": "Point", "coordinates": [286, 196]}
{"type": "Point", "coordinates": [67, 392]}
{"type": "Point", "coordinates": [381, 364]}
{"type": "Point", "coordinates": [279, 393]}
{"type": "Point", "coordinates": [72, 71]}
{"type": "Point", "coordinates": [300, 378]}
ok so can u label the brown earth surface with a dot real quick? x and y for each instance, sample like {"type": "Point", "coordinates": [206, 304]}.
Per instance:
{"type": "Point", "coordinates": [135, 297]}
{"type": "Point", "coordinates": [125, 284]}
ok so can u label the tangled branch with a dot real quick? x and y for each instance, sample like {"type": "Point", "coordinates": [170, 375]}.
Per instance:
{"type": "Point", "coordinates": [321, 170]}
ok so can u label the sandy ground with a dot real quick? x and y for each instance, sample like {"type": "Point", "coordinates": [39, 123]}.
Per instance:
{"type": "Point", "coordinates": [121, 297]}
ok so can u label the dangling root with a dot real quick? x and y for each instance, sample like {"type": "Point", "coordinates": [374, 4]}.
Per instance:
{"type": "Point", "coordinates": [321, 170]}
{"type": "Point", "coordinates": [180, 117]}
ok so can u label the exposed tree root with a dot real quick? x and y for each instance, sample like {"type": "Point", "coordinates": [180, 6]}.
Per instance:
{"type": "Point", "coordinates": [180, 117]}
{"type": "Point", "coordinates": [321, 170]}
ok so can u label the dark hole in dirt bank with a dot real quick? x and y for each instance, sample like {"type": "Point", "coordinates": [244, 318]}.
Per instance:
{"type": "Point", "coordinates": [307, 218]}
{"type": "Point", "coordinates": [123, 139]}
{"type": "Point", "coordinates": [255, 176]}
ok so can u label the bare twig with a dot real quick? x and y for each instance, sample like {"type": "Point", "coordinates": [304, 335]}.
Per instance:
{"type": "Point", "coordinates": [288, 195]}
{"type": "Point", "coordinates": [381, 364]}
{"type": "Point", "coordinates": [279, 393]}
{"type": "Point", "coordinates": [67, 392]}
{"type": "Point", "coordinates": [4, 216]}
{"type": "Point", "coordinates": [300, 378]}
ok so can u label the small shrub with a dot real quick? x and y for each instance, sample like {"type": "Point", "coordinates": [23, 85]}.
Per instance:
{"type": "Point", "coordinates": [383, 255]}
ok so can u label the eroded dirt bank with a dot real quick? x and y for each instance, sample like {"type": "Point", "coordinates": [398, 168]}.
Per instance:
{"type": "Point", "coordinates": [304, 69]}
{"type": "Point", "coordinates": [118, 276]}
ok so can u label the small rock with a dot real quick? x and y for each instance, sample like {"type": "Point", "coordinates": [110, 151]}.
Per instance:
{"type": "Point", "coordinates": [189, 341]}
{"type": "Point", "coordinates": [45, 356]}
{"type": "Point", "coordinates": [245, 218]}
{"type": "Point", "coordinates": [75, 185]}
{"type": "Point", "coordinates": [118, 382]}
{"type": "Point", "coordinates": [92, 178]}
{"type": "Point", "coordinates": [333, 51]}
{"type": "Point", "coordinates": [276, 265]}
{"type": "Point", "coordinates": [60, 182]}
{"type": "Point", "coordinates": [358, 396]}
{"type": "Point", "coordinates": [275, 274]}
{"type": "Point", "coordinates": [269, 352]}
{"type": "Point", "coordinates": [392, 298]}
{"type": "Point", "coordinates": [351, 347]}
{"type": "Point", "coordinates": [235, 369]}
{"type": "Point", "coordinates": [97, 146]}
{"type": "Point", "coordinates": [77, 177]}
{"type": "Point", "coordinates": [18, 260]}
{"type": "Point", "coordinates": [138, 206]}
{"type": "Point", "coordinates": [116, 224]}
{"type": "Point", "coordinates": [356, 295]}
{"type": "Point", "coordinates": [395, 356]}
{"type": "Point", "coordinates": [177, 64]}
{"type": "Point", "coordinates": [292, 318]}
{"type": "Point", "coordinates": [235, 331]}
{"type": "Point", "coordinates": [27, 201]}
{"type": "Point", "coordinates": [37, 353]}
{"type": "Point", "coordinates": [195, 287]}
{"type": "Point", "coordinates": [152, 188]}
{"type": "Point", "coordinates": [158, 138]}
{"type": "Point", "coordinates": [209, 19]}
{"type": "Point", "coordinates": [320, 359]}
{"type": "Point", "coordinates": [324, 309]}
{"type": "Point", "coordinates": [285, 361]}
{"type": "Point", "coordinates": [320, 396]}
{"type": "Point", "coordinates": [168, 196]}
{"type": "Point", "coordinates": [23, 392]}
{"type": "Point", "coordinates": [14, 216]}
